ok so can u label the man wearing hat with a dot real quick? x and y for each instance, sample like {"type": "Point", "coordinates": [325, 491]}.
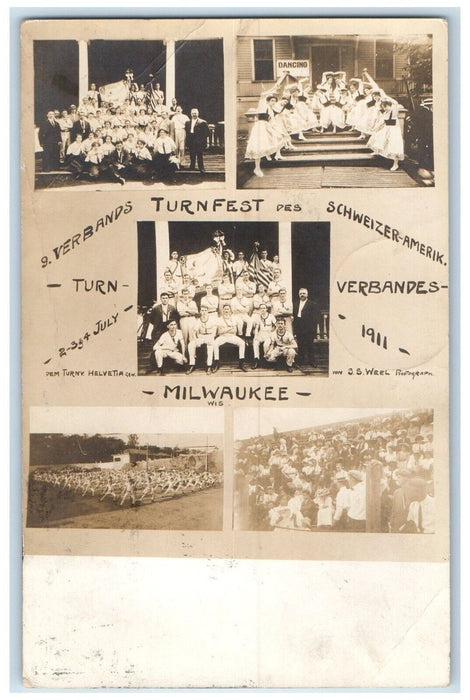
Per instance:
{"type": "Point", "coordinates": [197, 135]}
{"type": "Point", "coordinates": [356, 519]}
{"type": "Point", "coordinates": [400, 499]}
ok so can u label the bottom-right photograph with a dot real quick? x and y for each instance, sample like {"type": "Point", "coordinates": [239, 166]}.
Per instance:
{"type": "Point", "coordinates": [346, 470]}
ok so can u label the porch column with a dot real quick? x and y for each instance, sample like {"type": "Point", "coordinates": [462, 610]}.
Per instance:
{"type": "Point", "coordinates": [285, 257]}
{"type": "Point", "coordinates": [170, 72]}
{"type": "Point", "coordinates": [162, 251]}
{"type": "Point", "coordinates": [83, 84]}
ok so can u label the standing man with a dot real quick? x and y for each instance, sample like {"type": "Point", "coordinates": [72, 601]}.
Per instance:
{"type": "Point", "coordinates": [65, 122]}
{"type": "Point", "coordinates": [197, 134]}
{"type": "Point", "coordinates": [50, 140]}
{"type": "Point", "coordinates": [160, 315]}
{"type": "Point", "coordinates": [307, 316]}
{"type": "Point", "coordinates": [81, 126]}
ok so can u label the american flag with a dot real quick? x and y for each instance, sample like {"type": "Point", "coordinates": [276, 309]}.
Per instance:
{"type": "Point", "coordinates": [258, 270]}
{"type": "Point", "coordinates": [153, 98]}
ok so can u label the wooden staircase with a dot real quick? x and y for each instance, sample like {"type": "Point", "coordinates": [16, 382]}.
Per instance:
{"type": "Point", "coordinates": [327, 148]}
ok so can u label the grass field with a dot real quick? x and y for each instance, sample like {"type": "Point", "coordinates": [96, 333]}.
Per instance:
{"type": "Point", "coordinates": [50, 507]}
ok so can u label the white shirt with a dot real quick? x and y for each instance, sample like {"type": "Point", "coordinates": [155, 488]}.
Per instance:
{"type": "Point", "coordinates": [357, 508]}
{"type": "Point", "coordinates": [301, 306]}
{"type": "Point", "coordinates": [343, 501]}
{"type": "Point", "coordinates": [428, 518]}
{"type": "Point", "coordinates": [168, 342]}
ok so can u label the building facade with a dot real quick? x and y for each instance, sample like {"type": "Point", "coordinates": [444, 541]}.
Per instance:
{"type": "Point", "coordinates": [262, 60]}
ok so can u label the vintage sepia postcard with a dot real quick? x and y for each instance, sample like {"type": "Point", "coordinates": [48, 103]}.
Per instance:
{"type": "Point", "coordinates": [235, 353]}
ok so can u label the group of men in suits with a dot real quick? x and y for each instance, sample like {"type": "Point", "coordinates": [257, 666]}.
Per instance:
{"type": "Point", "coordinates": [154, 144]}
{"type": "Point", "coordinates": [250, 317]}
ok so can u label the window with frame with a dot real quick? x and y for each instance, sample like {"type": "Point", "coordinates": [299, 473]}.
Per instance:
{"type": "Point", "coordinates": [383, 59]}
{"type": "Point", "coordinates": [263, 53]}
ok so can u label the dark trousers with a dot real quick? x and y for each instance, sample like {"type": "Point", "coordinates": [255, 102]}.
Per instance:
{"type": "Point", "coordinates": [306, 349]}
{"type": "Point", "coordinates": [163, 167]}
{"type": "Point", "coordinates": [196, 154]}
{"type": "Point", "coordinates": [50, 157]}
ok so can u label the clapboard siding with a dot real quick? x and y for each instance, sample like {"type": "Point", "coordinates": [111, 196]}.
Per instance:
{"type": "Point", "coordinates": [366, 57]}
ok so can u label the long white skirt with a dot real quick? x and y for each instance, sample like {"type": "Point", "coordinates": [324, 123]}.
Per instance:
{"type": "Point", "coordinates": [387, 142]}
{"type": "Point", "coordinates": [264, 140]}
{"type": "Point", "coordinates": [368, 120]}
{"type": "Point", "coordinates": [332, 114]}
{"type": "Point", "coordinates": [307, 116]}
{"type": "Point", "coordinates": [356, 114]}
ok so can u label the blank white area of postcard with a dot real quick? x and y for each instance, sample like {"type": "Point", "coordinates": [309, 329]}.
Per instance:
{"type": "Point", "coordinates": [143, 622]}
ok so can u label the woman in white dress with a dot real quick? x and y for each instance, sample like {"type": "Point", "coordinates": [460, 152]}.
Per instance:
{"type": "Point", "coordinates": [296, 119]}
{"type": "Point", "coordinates": [358, 100]}
{"type": "Point", "coordinates": [362, 110]}
{"type": "Point", "coordinates": [264, 140]}
{"type": "Point", "coordinates": [386, 139]}
{"type": "Point", "coordinates": [307, 116]}
{"type": "Point", "coordinates": [331, 111]}
{"type": "Point", "coordinates": [373, 104]}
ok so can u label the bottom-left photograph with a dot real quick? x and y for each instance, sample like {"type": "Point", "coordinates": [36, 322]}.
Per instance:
{"type": "Point", "coordinates": [127, 480]}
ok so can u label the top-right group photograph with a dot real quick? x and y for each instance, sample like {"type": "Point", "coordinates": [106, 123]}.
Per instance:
{"type": "Point", "coordinates": [334, 111]}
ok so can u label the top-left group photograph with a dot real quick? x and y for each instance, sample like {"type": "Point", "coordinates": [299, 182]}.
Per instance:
{"type": "Point", "coordinates": [139, 114]}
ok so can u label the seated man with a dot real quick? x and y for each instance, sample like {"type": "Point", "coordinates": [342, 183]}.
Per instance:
{"type": "Point", "coordinates": [265, 326]}
{"type": "Point", "coordinates": [241, 309]}
{"type": "Point", "coordinates": [118, 163]}
{"type": "Point", "coordinates": [203, 334]}
{"type": "Point", "coordinates": [282, 344]}
{"type": "Point", "coordinates": [171, 345]}
{"type": "Point", "coordinates": [227, 335]}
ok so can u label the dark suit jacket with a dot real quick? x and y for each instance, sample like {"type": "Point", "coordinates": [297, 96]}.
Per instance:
{"type": "Point", "coordinates": [310, 317]}
{"type": "Point", "coordinates": [77, 129]}
{"type": "Point", "coordinates": [197, 139]}
{"type": "Point", "coordinates": [156, 318]}
{"type": "Point", "coordinates": [49, 134]}
{"type": "Point", "coordinates": [113, 159]}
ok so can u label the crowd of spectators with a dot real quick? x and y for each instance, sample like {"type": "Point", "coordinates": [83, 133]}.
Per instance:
{"type": "Point", "coordinates": [317, 479]}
